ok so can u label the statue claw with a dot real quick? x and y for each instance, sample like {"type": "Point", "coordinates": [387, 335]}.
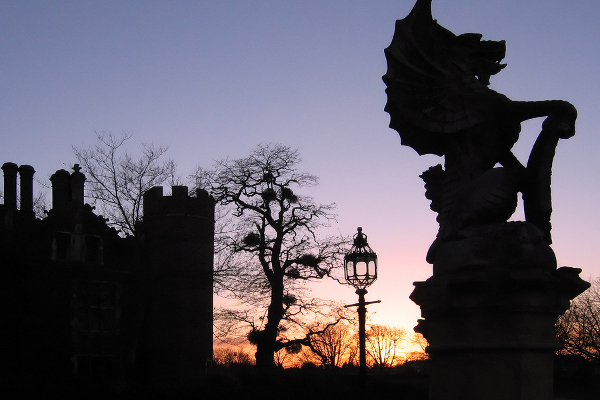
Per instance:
{"type": "Point", "coordinates": [562, 127]}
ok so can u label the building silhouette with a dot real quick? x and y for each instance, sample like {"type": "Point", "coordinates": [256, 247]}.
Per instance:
{"type": "Point", "coordinates": [83, 307]}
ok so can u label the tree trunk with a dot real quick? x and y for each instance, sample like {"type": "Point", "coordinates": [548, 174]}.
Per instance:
{"type": "Point", "coordinates": [264, 356]}
{"type": "Point", "coordinates": [266, 345]}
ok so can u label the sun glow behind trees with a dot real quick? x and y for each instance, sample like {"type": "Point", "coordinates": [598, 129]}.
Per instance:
{"type": "Point", "coordinates": [337, 347]}
{"type": "Point", "coordinates": [215, 82]}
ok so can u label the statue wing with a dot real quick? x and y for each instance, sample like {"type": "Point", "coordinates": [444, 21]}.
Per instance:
{"type": "Point", "coordinates": [431, 88]}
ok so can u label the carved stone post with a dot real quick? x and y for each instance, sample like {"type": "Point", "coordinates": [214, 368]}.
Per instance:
{"type": "Point", "coordinates": [489, 313]}
{"type": "Point", "coordinates": [490, 307]}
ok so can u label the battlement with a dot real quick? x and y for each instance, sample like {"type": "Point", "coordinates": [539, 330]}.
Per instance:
{"type": "Point", "coordinates": [179, 203]}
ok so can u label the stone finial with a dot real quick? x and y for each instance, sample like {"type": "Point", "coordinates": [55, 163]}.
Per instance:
{"type": "Point", "coordinates": [77, 185]}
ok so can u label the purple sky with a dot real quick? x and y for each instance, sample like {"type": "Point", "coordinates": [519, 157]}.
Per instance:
{"type": "Point", "coordinates": [214, 78]}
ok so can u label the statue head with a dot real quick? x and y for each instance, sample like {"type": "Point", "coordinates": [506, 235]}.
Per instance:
{"type": "Point", "coordinates": [480, 57]}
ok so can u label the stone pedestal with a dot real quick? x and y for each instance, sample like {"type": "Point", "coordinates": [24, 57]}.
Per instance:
{"type": "Point", "coordinates": [489, 312]}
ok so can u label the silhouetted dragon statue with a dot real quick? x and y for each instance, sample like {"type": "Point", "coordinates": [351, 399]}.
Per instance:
{"type": "Point", "coordinates": [440, 103]}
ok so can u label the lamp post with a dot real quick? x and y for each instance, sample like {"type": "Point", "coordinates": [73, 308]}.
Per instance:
{"type": "Point", "coordinates": [360, 271]}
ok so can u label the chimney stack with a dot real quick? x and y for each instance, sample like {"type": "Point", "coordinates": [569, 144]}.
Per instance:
{"type": "Point", "coordinates": [10, 185]}
{"type": "Point", "coordinates": [61, 189]}
{"type": "Point", "coordinates": [26, 172]}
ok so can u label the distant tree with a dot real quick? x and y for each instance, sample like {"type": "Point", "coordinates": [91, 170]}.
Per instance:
{"type": "Point", "coordinates": [418, 347]}
{"type": "Point", "coordinates": [384, 344]}
{"type": "Point", "coordinates": [39, 205]}
{"type": "Point", "coordinates": [335, 346]}
{"type": "Point", "coordinates": [228, 355]}
{"type": "Point", "coordinates": [288, 356]}
{"type": "Point", "coordinates": [578, 329]}
{"type": "Point", "coordinates": [269, 248]}
{"type": "Point", "coordinates": [116, 180]}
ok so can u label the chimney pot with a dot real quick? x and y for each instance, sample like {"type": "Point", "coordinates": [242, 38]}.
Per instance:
{"type": "Point", "coordinates": [10, 185]}
{"type": "Point", "coordinates": [26, 172]}
{"type": "Point", "coordinates": [61, 189]}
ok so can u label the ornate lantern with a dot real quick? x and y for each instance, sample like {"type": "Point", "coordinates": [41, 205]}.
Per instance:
{"type": "Point", "coordinates": [360, 264]}
{"type": "Point", "coordinates": [360, 271]}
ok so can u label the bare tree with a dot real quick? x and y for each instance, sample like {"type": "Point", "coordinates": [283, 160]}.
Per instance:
{"type": "Point", "coordinates": [335, 346]}
{"type": "Point", "coordinates": [287, 356]}
{"type": "Point", "coordinates": [270, 247]}
{"type": "Point", "coordinates": [418, 347]}
{"type": "Point", "coordinates": [383, 345]}
{"type": "Point", "coordinates": [578, 329]}
{"type": "Point", "coordinates": [116, 180]}
{"type": "Point", "coordinates": [228, 355]}
{"type": "Point", "coordinates": [39, 205]}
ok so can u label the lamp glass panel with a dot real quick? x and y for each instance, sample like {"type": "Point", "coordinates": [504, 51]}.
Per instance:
{"type": "Point", "coordinates": [361, 267]}
{"type": "Point", "coordinates": [349, 268]}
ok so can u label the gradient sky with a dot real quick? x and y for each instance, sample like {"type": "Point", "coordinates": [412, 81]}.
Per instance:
{"type": "Point", "coordinates": [214, 78]}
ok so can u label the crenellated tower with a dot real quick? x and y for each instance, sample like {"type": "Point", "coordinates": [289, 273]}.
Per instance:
{"type": "Point", "coordinates": [88, 307]}
{"type": "Point", "coordinates": [178, 238]}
